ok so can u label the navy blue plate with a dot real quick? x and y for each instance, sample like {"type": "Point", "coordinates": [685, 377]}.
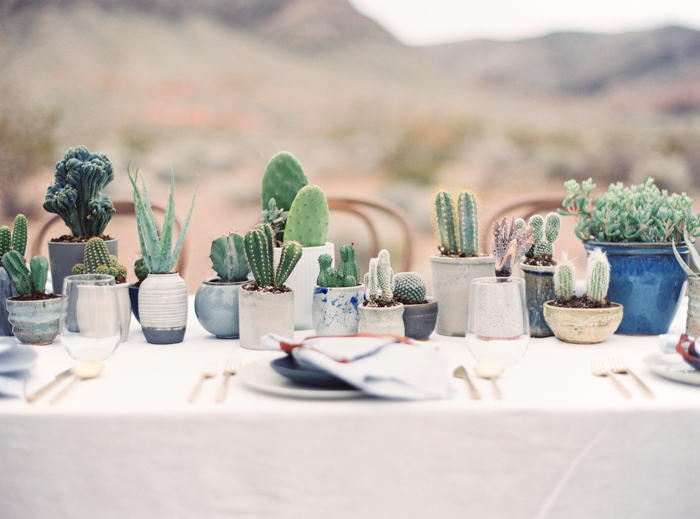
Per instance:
{"type": "Point", "coordinates": [287, 367]}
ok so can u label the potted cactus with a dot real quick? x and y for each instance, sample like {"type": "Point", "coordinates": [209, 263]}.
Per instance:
{"type": "Point", "coordinates": [635, 226]}
{"type": "Point", "coordinates": [338, 294]}
{"type": "Point", "coordinates": [141, 271]}
{"type": "Point", "coordinates": [33, 313]}
{"type": "Point", "coordinates": [10, 240]}
{"type": "Point", "coordinates": [692, 322]}
{"type": "Point", "coordinates": [267, 305]}
{"type": "Point", "coordinates": [459, 260]}
{"type": "Point", "coordinates": [297, 212]}
{"type": "Point", "coordinates": [380, 313]}
{"type": "Point", "coordinates": [98, 260]}
{"type": "Point", "coordinates": [216, 302]}
{"type": "Point", "coordinates": [163, 294]}
{"type": "Point", "coordinates": [76, 196]}
{"type": "Point", "coordinates": [419, 311]}
{"type": "Point", "coordinates": [537, 268]}
{"type": "Point", "coordinates": [588, 319]}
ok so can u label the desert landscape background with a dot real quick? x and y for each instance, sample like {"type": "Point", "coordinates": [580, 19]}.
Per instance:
{"type": "Point", "coordinates": [216, 88]}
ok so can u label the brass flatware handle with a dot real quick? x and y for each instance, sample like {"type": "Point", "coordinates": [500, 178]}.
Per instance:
{"type": "Point", "coordinates": [496, 391]}
{"type": "Point", "coordinates": [221, 395]}
{"type": "Point", "coordinates": [619, 385]}
{"type": "Point", "coordinates": [195, 393]}
{"type": "Point", "coordinates": [64, 392]}
{"type": "Point", "coordinates": [49, 386]}
{"type": "Point", "coordinates": [642, 385]}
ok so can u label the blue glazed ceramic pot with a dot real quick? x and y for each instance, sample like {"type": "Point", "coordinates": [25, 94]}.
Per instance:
{"type": "Point", "coordinates": [334, 310]}
{"type": "Point", "coordinates": [134, 296]}
{"type": "Point", "coordinates": [647, 281]}
{"type": "Point", "coordinates": [539, 288]}
{"type": "Point", "coordinates": [216, 307]}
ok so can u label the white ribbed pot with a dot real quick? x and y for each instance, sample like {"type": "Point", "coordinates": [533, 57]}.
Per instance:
{"type": "Point", "coordinates": [261, 313]}
{"type": "Point", "coordinates": [452, 279]}
{"type": "Point", "coordinates": [380, 321]}
{"type": "Point", "coordinates": [163, 308]}
{"type": "Point", "coordinates": [302, 281]}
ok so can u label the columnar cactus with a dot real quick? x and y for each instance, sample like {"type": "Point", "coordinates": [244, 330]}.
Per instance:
{"type": "Point", "coordinates": [410, 286]}
{"type": "Point", "coordinates": [371, 279]}
{"type": "Point", "coordinates": [597, 276]}
{"type": "Point", "coordinates": [347, 274]}
{"type": "Point", "coordinates": [380, 280]}
{"type": "Point", "coordinates": [459, 237]}
{"type": "Point", "coordinates": [259, 254]}
{"type": "Point", "coordinates": [308, 221]}
{"type": "Point", "coordinates": [15, 240]}
{"type": "Point", "coordinates": [76, 194]}
{"type": "Point", "coordinates": [509, 244]}
{"type": "Point", "coordinates": [98, 260]}
{"type": "Point", "coordinates": [545, 232]}
{"type": "Point", "coordinates": [564, 279]}
{"type": "Point", "coordinates": [228, 258]}
{"type": "Point", "coordinates": [26, 281]}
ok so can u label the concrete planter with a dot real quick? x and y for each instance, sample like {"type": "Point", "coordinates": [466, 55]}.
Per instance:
{"type": "Point", "coordinates": [419, 320]}
{"type": "Point", "coordinates": [35, 322]}
{"type": "Point", "coordinates": [163, 308]}
{"type": "Point", "coordinates": [692, 323]}
{"type": "Point", "coordinates": [7, 289]}
{"type": "Point", "coordinates": [262, 313]}
{"type": "Point", "coordinates": [539, 288]}
{"type": "Point", "coordinates": [583, 325]}
{"type": "Point", "coordinates": [302, 281]}
{"type": "Point", "coordinates": [335, 309]}
{"type": "Point", "coordinates": [63, 256]}
{"type": "Point", "coordinates": [382, 321]}
{"type": "Point", "coordinates": [216, 307]}
{"type": "Point", "coordinates": [451, 281]}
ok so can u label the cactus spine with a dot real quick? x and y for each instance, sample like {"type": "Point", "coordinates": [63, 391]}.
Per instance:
{"type": "Point", "coordinates": [545, 232]}
{"type": "Point", "coordinates": [98, 260]}
{"type": "Point", "coordinates": [380, 279]}
{"type": "Point", "coordinates": [25, 281]}
{"type": "Point", "coordinates": [228, 258]}
{"type": "Point", "coordinates": [410, 286]}
{"type": "Point", "coordinates": [564, 277]}
{"type": "Point", "coordinates": [460, 236]}
{"type": "Point", "coordinates": [468, 223]}
{"type": "Point", "coordinates": [597, 276]}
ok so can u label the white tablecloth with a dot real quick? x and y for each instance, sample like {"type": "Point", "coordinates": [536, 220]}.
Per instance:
{"type": "Point", "coordinates": [562, 443]}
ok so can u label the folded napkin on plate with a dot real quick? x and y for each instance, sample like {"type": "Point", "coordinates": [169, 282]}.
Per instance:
{"type": "Point", "coordinates": [381, 366]}
{"type": "Point", "coordinates": [669, 341]}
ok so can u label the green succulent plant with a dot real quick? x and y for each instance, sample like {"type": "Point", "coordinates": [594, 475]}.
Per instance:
{"type": "Point", "coordinates": [140, 269]}
{"type": "Point", "coordinates": [15, 240]}
{"type": "Point", "coordinates": [458, 236]}
{"type": "Point", "coordinates": [410, 286]}
{"type": "Point", "coordinates": [544, 232]}
{"type": "Point", "coordinates": [639, 213]}
{"type": "Point", "coordinates": [509, 244]}
{"type": "Point", "coordinates": [260, 255]}
{"type": "Point", "coordinates": [158, 252]}
{"type": "Point", "coordinates": [98, 260]}
{"type": "Point", "coordinates": [347, 274]}
{"type": "Point", "coordinates": [30, 280]}
{"type": "Point", "coordinates": [228, 258]}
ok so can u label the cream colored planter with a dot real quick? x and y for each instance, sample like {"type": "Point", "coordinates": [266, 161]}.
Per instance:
{"type": "Point", "coordinates": [381, 321]}
{"type": "Point", "coordinates": [163, 308]}
{"type": "Point", "coordinates": [261, 313]}
{"type": "Point", "coordinates": [583, 325]}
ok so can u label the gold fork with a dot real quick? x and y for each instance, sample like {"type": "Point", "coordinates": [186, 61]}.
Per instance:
{"type": "Point", "coordinates": [598, 369]}
{"type": "Point", "coordinates": [231, 368]}
{"type": "Point", "coordinates": [617, 365]}
{"type": "Point", "coordinates": [209, 371]}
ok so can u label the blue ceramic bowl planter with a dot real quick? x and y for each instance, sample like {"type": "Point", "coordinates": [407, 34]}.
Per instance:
{"type": "Point", "coordinates": [647, 281]}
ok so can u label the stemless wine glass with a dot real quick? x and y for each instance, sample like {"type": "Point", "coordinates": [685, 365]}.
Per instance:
{"type": "Point", "coordinates": [498, 326]}
{"type": "Point", "coordinates": [90, 317]}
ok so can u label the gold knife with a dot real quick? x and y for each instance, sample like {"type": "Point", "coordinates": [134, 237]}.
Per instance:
{"type": "Point", "coordinates": [460, 372]}
{"type": "Point", "coordinates": [47, 387]}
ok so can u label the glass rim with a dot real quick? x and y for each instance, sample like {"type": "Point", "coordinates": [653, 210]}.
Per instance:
{"type": "Point", "coordinates": [104, 279]}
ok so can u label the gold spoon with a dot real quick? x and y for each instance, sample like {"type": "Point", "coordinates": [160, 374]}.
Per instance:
{"type": "Point", "coordinates": [81, 371]}
{"type": "Point", "coordinates": [491, 371]}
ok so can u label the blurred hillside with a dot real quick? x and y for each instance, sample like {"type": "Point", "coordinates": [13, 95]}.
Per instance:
{"type": "Point", "coordinates": [218, 87]}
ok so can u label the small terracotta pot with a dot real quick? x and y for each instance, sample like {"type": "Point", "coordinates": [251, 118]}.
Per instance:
{"type": "Point", "coordinates": [583, 325]}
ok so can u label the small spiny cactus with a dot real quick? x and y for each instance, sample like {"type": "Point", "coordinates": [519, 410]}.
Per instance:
{"type": "Point", "coordinates": [228, 258]}
{"type": "Point", "coordinates": [460, 236]}
{"type": "Point", "coordinates": [98, 260]}
{"type": "Point", "coordinates": [597, 276]}
{"type": "Point", "coordinates": [140, 269]}
{"type": "Point", "coordinates": [15, 240]}
{"type": "Point", "coordinates": [564, 279]}
{"type": "Point", "coordinates": [410, 286]}
{"type": "Point", "coordinates": [545, 232]}
{"type": "Point", "coordinates": [26, 281]}
{"type": "Point", "coordinates": [380, 278]}
{"type": "Point", "coordinates": [347, 274]}
{"type": "Point", "coordinates": [509, 245]}
{"type": "Point", "coordinates": [259, 253]}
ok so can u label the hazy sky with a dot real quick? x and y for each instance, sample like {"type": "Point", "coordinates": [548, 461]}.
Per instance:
{"type": "Point", "coordinates": [425, 22]}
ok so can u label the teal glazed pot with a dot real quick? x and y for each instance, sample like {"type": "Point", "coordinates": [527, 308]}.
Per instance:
{"type": "Point", "coordinates": [539, 288]}
{"type": "Point", "coordinates": [647, 281]}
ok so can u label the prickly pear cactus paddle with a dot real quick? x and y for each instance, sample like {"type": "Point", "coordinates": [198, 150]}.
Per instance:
{"type": "Point", "coordinates": [309, 220]}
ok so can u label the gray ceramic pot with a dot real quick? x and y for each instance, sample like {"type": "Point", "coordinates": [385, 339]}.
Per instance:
{"type": "Point", "coordinates": [262, 313]}
{"type": "Point", "coordinates": [419, 320]}
{"type": "Point", "coordinates": [216, 307]}
{"type": "Point", "coordinates": [382, 321]}
{"type": "Point", "coordinates": [539, 288]}
{"type": "Point", "coordinates": [64, 256]}
{"type": "Point", "coordinates": [7, 289]}
{"type": "Point", "coordinates": [35, 322]}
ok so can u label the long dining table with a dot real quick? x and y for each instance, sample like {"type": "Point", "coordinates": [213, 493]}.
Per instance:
{"type": "Point", "coordinates": [561, 443]}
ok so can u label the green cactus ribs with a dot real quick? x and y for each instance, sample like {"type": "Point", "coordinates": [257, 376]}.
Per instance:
{"type": "Point", "coordinates": [29, 282]}
{"type": "Point", "coordinates": [545, 230]}
{"type": "Point", "coordinates": [457, 228]}
{"type": "Point", "coordinates": [597, 282]}
{"type": "Point", "coordinates": [380, 282]}
{"type": "Point", "coordinates": [410, 288]}
{"type": "Point", "coordinates": [259, 254]}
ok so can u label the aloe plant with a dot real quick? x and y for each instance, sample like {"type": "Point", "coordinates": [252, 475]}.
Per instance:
{"type": "Point", "coordinates": [158, 252]}
{"type": "Point", "coordinates": [694, 256]}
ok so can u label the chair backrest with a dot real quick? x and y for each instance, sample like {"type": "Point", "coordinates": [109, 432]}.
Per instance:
{"type": "Point", "coordinates": [123, 206]}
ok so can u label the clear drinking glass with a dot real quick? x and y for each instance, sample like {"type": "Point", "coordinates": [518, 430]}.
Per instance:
{"type": "Point", "coordinates": [498, 326]}
{"type": "Point", "coordinates": [90, 318]}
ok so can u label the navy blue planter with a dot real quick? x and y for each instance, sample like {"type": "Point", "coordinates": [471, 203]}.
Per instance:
{"type": "Point", "coordinates": [647, 281]}
{"type": "Point", "coordinates": [134, 296]}
{"type": "Point", "coordinates": [539, 288]}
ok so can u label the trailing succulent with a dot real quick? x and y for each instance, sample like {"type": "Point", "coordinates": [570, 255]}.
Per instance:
{"type": "Point", "coordinates": [544, 232]}
{"type": "Point", "coordinates": [15, 240]}
{"type": "Point", "coordinates": [597, 282]}
{"type": "Point", "coordinates": [458, 237]}
{"type": "Point", "coordinates": [639, 213]}
{"type": "Point", "coordinates": [98, 260]}
{"type": "Point", "coordinates": [295, 210]}
{"type": "Point", "coordinates": [509, 244]}
{"type": "Point", "coordinates": [380, 281]}
{"type": "Point", "coordinates": [228, 258]}
{"type": "Point", "coordinates": [30, 281]}
{"type": "Point", "coordinates": [347, 274]}
{"type": "Point", "coordinates": [410, 288]}
{"type": "Point", "coordinates": [260, 255]}
{"type": "Point", "coordinates": [76, 194]}
{"type": "Point", "coordinates": [158, 252]}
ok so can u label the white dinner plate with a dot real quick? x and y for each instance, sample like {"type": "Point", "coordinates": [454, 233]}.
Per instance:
{"type": "Point", "coordinates": [260, 376]}
{"type": "Point", "coordinates": [672, 366]}
{"type": "Point", "coordinates": [17, 358]}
